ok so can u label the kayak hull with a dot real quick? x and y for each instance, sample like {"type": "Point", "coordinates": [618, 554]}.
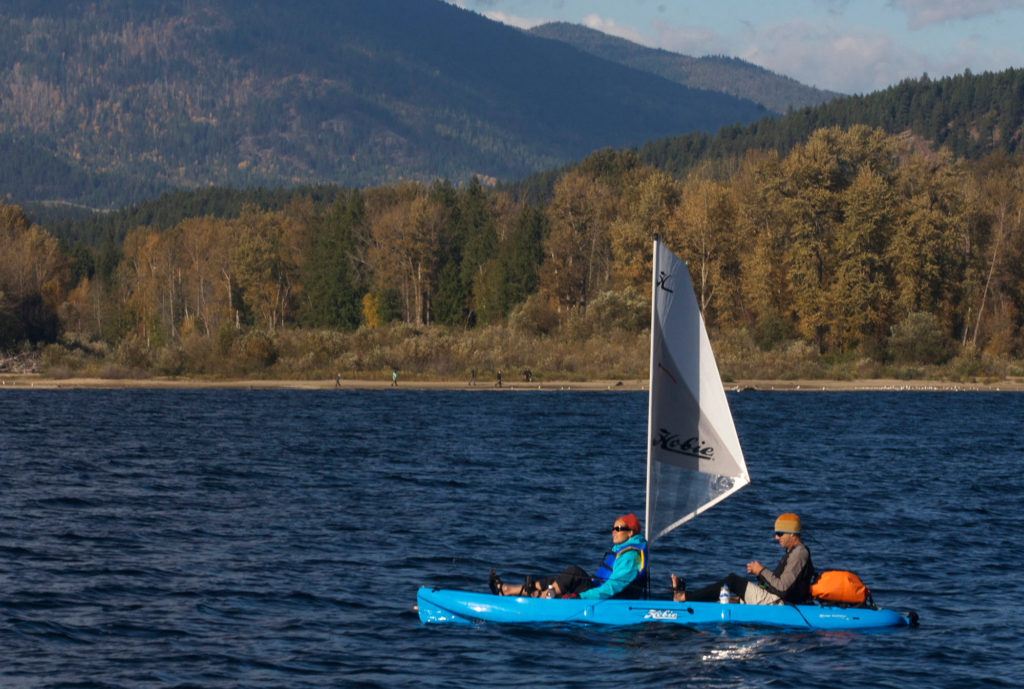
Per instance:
{"type": "Point", "coordinates": [441, 606]}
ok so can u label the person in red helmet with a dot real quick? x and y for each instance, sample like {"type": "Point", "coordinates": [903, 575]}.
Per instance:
{"type": "Point", "coordinates": [622, 574]}
{"type": "Point", "coordinates": [790, 582]}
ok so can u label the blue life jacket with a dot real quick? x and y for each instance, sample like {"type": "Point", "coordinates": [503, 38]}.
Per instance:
{"type": "Point", "coordinates": [637, 587]}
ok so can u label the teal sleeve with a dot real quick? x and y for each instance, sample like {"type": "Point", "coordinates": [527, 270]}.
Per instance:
{"type": "Point", "coordinates": [623, 573]}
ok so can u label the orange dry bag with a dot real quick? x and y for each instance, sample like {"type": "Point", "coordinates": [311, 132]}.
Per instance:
{"type": "Point", "coordinates": [840, 586]}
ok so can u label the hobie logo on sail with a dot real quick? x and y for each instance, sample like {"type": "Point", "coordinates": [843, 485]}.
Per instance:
{"type": "Point", "coordinates": [691, 447]}
{"type": "Point", "coordinates": [663, 279]}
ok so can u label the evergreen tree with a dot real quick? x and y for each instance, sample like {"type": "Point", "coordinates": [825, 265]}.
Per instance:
{"type": "Point", "coordinates": [521, 255]}
{"type": "Point", "coordinates": [450, 297]}
{"type": "Point", "coordinates": [475, 242]}
{"type": "Point", "coordinates": [480, 239]}
{"type": "Point", "coordinates": [332, 288]}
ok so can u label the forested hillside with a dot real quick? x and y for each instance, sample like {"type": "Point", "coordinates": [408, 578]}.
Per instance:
{"type": "Point", "coordinates": [982, 114]}
{"type": "Point", "coordinates": [108, 103]}
{"type": "Point", "coordinates": [856, 249]}
{"type": "Point", "coordinates": [970, 115]}
{"type": "Point", "coordinates": [779, 94]}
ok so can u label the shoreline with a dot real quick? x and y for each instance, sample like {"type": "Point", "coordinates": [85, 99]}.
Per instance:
{"type": "Point", "coordinates": [23, 381]}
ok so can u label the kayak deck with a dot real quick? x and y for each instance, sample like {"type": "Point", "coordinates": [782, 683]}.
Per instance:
{"type": "Point", "coordinates": [442, 606]}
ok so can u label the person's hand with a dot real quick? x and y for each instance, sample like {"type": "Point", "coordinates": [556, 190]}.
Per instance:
{"type": "Point", "coordinates": [754, 567]}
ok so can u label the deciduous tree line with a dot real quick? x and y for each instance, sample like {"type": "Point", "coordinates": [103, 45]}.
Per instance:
{"type": "Point", "coordinates": [850, 242]}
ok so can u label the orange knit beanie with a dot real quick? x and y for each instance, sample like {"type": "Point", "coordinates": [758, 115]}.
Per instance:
{"type": "Point", "coordinates": [788, 523]}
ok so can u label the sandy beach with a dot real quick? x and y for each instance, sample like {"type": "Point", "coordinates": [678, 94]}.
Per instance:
{"type": "Point", "coordinates": [37, 382]}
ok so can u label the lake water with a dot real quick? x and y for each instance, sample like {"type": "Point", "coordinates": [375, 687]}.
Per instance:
{"type": "Point", "coordinates": [277, 538]}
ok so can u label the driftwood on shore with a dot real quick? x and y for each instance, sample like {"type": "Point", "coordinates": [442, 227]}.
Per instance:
{"type": "Point", "coordinates": [18, 363]}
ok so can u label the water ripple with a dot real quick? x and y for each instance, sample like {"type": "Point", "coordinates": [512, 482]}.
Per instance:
{"type": "Point", "coordinates": [276, 538]}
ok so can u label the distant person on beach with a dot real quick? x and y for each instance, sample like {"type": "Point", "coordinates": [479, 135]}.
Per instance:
{"type": "Point", "coordinates": [789, 583]}
{"type": "Point", "coordinates": [472, 377]}
{"type": "Point", "coordinates": [498, 384]}
{"type": "Point", "coordinates": [527, 375]}
{"type": "Point", "coordinates": [337, 380]}
{"type": "Point", "coordinates": [394, 379]}
{"type": "Point", "coordinates": [623, 574]}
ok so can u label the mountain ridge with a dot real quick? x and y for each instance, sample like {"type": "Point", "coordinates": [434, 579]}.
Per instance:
{"type": "Point", "coordinates": [729, 75]}
{"type": "Point", "coordinates": [113, 102]}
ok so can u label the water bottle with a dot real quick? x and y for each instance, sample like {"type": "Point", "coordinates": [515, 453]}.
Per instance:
{"type": "Point", "coordinates": [723, 595]}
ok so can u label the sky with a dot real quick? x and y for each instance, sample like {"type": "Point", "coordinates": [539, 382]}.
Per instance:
{"type": "Point", "coordinates": [849, 46]}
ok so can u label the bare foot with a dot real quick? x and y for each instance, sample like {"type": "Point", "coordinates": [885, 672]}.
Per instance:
{"type": "Point", "coordinates": [678, 590]}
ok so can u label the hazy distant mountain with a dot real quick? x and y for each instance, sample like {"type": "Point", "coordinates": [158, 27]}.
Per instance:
{"type": "Point", "coordinates": [725, 74]}
{"type": "Point", "coordinates": [109, 102]}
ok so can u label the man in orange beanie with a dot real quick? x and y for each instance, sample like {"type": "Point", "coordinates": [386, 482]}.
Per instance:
{"type": "Point", "coordinates": [622, 574]}
{"type": "Point", "coordinates": [789, 583]}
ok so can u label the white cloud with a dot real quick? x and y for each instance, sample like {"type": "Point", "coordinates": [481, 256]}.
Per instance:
{"type": "Point", "coordinates": [612, 28]}
{"type": "Point", "coordinates": [695, 41]}
{"type": "Point", "coordinates": [857, 57]}
{"type": "Point", "coordinates": [814, 52]}
{"type": "Point", "coordinates": [514, 20]}
{"type": "Point", "coordinates": [822, 54]}
{"type": "Point", "coordinates": [922, 13]}
{"type": "Point", "coordinates": [497, 15]}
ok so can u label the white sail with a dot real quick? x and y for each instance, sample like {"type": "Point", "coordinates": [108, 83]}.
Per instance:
{"type": "Point", "coordinates": [694, 459]}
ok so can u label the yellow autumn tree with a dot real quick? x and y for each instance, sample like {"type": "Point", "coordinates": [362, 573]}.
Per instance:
{"type": "Point", "coordinates": [577, 252]}
{"type": "Point", "coordinates": [645, 208]}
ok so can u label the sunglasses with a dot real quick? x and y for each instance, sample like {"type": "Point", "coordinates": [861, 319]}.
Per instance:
{"type": "Point", "coordinates": [780, 534]}
{"type": "Point", "coordinates": [621, 528]}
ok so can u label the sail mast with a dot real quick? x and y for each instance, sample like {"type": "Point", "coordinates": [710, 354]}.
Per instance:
{"type": "Point", "coordinates": [650, 386]}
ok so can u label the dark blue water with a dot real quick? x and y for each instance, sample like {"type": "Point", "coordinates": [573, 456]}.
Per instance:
{"type": "Point", "coordinates": [277, 538]}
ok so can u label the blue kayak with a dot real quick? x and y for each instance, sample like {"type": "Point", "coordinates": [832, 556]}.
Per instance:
{"type": "Point", "coordinates": [441, 606]}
